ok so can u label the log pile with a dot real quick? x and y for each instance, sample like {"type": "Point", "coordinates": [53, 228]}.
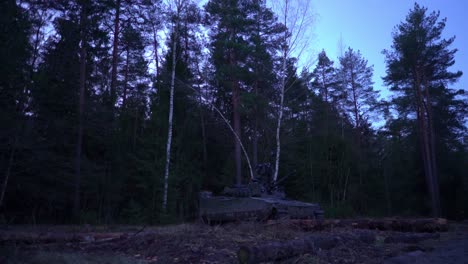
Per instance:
{"type": "Point", "coordinates": [57, 237]}
{"type": "Point", "coordinates": [403, 225]}
{"type": "Point", "coordinates": [426, 225]}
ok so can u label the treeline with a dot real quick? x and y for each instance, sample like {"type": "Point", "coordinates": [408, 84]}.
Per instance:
{"type": "Point", "coordinates": [85, 97]}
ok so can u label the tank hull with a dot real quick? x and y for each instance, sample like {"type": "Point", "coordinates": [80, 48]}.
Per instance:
{"type": "Point", "coordinates": [227, 209]}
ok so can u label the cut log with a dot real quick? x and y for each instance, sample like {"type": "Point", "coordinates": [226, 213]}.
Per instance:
{"type": "Point", "coordinates": [46, 238]}
{"type": "Point", "coordinates": [427, 225]}
{"type": "Point", "coordinates": [403, 225]}
{"type": "Point", "coordinates": [281, 250]}
{"type": "Point", "coordinates": [301, 224]}
{"type": "Point", "coordinates": [225, 217]}
{"type": "Point", "coordinates": [410, 238]}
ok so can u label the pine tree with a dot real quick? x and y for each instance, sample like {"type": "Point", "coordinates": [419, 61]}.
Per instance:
{"type": "Point", "coordinates": [323, 77]}
{"type": "Point", "coordinates": [418, 73]}
{"type": "Point", "coordinates": [72, 80]}
{"type": "Point", "coordinates": [360, 98]}
{"type": "Point", "coordinates": [265, 39]}
{"type": "Point", "coordinates": [230, 28]}
{"type": "Point", "coordinates": [360, 101]}
{"type": "Point", "coordinates": [324, 81]}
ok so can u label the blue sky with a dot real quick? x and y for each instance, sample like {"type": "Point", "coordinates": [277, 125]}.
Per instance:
{"type": "Point", "coordinates": [366, 25]}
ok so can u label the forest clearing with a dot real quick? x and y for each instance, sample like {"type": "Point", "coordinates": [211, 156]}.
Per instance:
{"type": "Point", "coordinates": [345, 241]}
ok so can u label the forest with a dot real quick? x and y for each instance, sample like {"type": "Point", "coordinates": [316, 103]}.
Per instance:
{"type": "Point", "coordinates": [122, 111]}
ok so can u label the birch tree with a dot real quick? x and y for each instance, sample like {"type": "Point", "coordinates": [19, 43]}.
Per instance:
{"type": "Point", "coordinates": [295, 15]}
{"type": "Point", "coordinates": [178, 6]}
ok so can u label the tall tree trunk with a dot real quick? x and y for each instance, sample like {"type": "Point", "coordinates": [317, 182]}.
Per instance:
{"type": "Point", "coordinates": [156, 60]}
{"type": "Point", "coordinates": [236, 120]}
{"type": "Point", "coordinates": [311, 170]}
{"type": "Point", "coordinates": [388, 198]}
{"type": "Point", "coordinates": [205, 151]}
{"type": "Point", "coordinates": [356, 110]}
{"type": "Point", "coordinates": [278, 130]}
{"type": "Point", "coordinates": [432, 151]}
{"type": "Point", "coordinates": [202, 119]}
{"type": "Point", "coordinates": [427, 164]}
{"type": "Point", "coordinates": [325, 89]}
{"type": "Point", "coordinates": [79, 143]}
{"type": "Point", "coordinates": [255, 132]}
{"type": "Point", "coordinates": [135, 128]}
{"type": "Point", "coordinates": [237, 130]}
{"type": "Point", "coordinates": [8, 170]}
{"type": "Point", "coordinates": [255, 144]}
{"type": "Point", "coordinates": [358, 138]}
{"type": "Point", "coordinates": [425, 146]}
{"type": "Point", "coordinates": [328, 162]}
{"type": "Point", "coordinates": [171, 113]}
{"type": "Point", "coordinates": [124, 98]}
{"type": "Point", "coordinates": [186, 41]}
{"type": "Point", "coordinates": [256, 88]}
{"type": "Point", "coordinates": [113, 85]}
{"type": "Point", "coordinates": [282, 89]}
{"type": "Point", "coordinates": [155, 47]}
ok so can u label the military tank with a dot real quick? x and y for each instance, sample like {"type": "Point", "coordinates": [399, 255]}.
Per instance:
{"type": "Point", "coordinates": [259, 200]}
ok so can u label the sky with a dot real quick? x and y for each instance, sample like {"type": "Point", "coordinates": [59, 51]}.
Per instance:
{"type": "Point", "coordinates": [367, 25]}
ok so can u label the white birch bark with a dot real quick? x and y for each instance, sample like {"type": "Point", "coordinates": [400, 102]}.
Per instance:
{"type": "Point", "coordinates": [280, 114]}
{"type": "Point", "coordinates": [295, 39]}
{"type": "Point", "coordinates": [178, 5]}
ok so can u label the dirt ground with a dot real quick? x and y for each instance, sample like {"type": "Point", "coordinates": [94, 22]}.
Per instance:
{"type": "Point", "coordinates": [198, 243]}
